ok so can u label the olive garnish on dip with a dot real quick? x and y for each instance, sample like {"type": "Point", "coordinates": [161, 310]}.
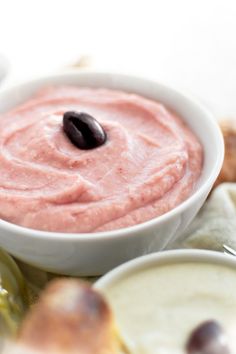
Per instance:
{"type": "Point", "coordinates": [208, 338]}
{"type": "Point", "coordinates": [83, 130]}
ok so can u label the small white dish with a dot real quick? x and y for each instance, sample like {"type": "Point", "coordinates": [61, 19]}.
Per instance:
{"type": "Point", "coordinates": [96, 253]}
{"type": "Point", "coordinates": [163, 258]}
{"type": "Point", "coordinates": [159, 299]}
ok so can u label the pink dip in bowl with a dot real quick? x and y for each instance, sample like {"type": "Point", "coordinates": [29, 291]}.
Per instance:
{"type": "Point", "coordinates": [149, 164]}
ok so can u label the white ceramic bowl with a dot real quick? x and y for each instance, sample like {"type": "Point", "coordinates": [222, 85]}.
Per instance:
{"type": "Point", "coordinates": [163, 258]}
{"type": "Point", "coordinates": [95, 254]}
{"type": "Point", "coordinates": [197, 296]}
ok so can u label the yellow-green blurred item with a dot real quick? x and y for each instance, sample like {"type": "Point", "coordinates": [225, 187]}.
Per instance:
{"type": "Point", "coordinates": [13, 295]}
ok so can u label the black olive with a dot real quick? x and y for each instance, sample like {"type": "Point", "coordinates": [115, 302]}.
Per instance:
{"type": "Point", "coordinates": [83, 130]}
{"type": "Point", "coordinates": [207, 338]}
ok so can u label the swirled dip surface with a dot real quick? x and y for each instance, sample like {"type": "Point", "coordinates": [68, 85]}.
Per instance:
{"type": "Point", "coordinates": [149, 164]}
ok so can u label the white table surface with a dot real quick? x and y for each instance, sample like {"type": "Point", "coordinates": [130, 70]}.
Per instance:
{"type": "Point", "coordinates": [188, 44]}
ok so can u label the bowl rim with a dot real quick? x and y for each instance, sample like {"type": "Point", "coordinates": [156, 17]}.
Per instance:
{"type": "Point", "coordinates": [169, 257]}
{"type": "Point", "coordinates": [128, 231]}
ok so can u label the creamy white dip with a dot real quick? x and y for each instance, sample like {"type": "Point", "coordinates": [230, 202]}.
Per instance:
{"type": "Point", "coordinates": [157, 308]}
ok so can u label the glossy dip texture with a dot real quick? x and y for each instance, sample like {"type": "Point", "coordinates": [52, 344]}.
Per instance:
{"type": "Point", "coordinates": [157, 308]}
{"type": "Point", "coordinates": [149, 164]}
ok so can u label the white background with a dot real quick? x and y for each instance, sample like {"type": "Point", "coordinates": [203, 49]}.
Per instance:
{"type": "Point", "coordinates": [190, 44]}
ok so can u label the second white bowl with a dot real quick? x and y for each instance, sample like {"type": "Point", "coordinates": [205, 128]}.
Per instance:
{"type": "Point", "coordinates": [159, 299]}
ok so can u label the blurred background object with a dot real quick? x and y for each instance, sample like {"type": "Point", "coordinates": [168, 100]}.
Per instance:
{"type": "Point", "coordinates": [228, 171]}
{"type": "Point", "coordinates": [4, 67]}
{"type": "Point", "coordinates": [188, 44]}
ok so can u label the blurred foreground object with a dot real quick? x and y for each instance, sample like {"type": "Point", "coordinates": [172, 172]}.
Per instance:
{"type": "Point", "coordinates": [13, 295]}
{"type": "Point", "coordinates": [228, 171]}
{"type": "Point", "coordinates": [70, 317]}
